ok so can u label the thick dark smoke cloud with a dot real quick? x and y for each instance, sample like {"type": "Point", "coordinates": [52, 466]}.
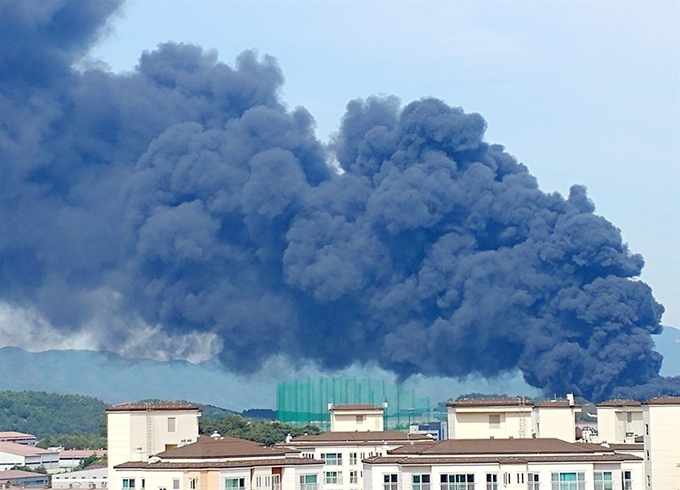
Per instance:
{"type": "Point", "coordinates": [190, 194]}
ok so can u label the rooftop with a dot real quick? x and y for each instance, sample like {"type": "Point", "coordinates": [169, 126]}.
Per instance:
{"type": "Point", "coordinates": [460, 447]}
{"type": "Point", "coordinates": [161, 465]}
{"type": "Point", "coordinates": [22, 449]}
{"type": "Point", "coordinates": [557, 404]}
{"type": "Point", "coordinates": [361, 437]}
{"type": "Point", "coordinates": [353, 408]}
{"type": "Point", "coordinates": [153, 406]}
{"type": "Point", "coordinates": [664, 400]}
{"type": "Point", "coordinates": [491, 402]}
{"type": "Point", "coordinates": [223, 447]}
{"type": "Point", "coordinates": [81, 453]}
{"type": "Point", "coordinates": [15, 435]}
{"type": "Point", "coordinates": [16, 474]}
{"type": "Point", "coordinates": [532, 458]}
{"type": "Point", "coordinates": [620, 403]}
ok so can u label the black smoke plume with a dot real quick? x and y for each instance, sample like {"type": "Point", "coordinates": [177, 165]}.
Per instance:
{"type": "Point", "coordinates": [187, 191]}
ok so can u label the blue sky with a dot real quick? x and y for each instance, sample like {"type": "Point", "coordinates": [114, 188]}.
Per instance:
{"type": "Point", "coordinates": [583, 92]}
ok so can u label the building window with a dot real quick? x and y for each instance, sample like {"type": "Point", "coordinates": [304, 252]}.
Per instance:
{"type": "Point", "coordinates": [193, 483]}
{"type": "Point", "coordinates": [332, 459]}
{"type": "Point", "coordinates": [646, 429]}
{"type": "Point", "coordinates": [128, 483]}
{"type": "Point", "coordinates": [520, 478]}
{"type": "Point", "coordinates": [172, 424]}
{"type": "Point", "coordinates": [390, 482]}
{"type": "Point", "coordinates": [352, 458]}
{"type": "Point", "coordinates": [568, 481]}
{"type": "Point", "coordinates": [457, 482]}
{"type": "Point", "coordinates": [495, 421]}
{"type": "Point", "coordinates": [354, 476]}
{"type": "Point", "coordinates": [143, 482]}
{"type": "Point", "coordinates": [629, 417]}
{"type": "Point", "coordinates": [533, 481]}
{"type": "Point", "coordinates": [175, 484]}
{"type": "Point", "coordinates": [603, 480]}
{"type": "Point", "coordinates": [420, 482]}
{"type": "Point", "coordinates": [234, 483]}
{"type": "Point", "coordinates": [308, 482]}
{"type": "Point", "coordinates": [360, 419]}
{"type": "Point", "coordinates": [491, 481]}
{"type": "Point", "coordinates": [627, 480]}
{"type": "Point", "coordinates": [332, 478]}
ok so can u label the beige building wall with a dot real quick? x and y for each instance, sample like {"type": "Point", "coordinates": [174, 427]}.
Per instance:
{"type": "Point", "coordinates": [614, 423]}
{"type": "Point", "coordinates": [488, 422]}
{"type": "Point", "coordinates": [356, 419]}
{"type": "Point", "coordinates": [661, 418]}
{"type": "Point", "coordinates": [558, 422]}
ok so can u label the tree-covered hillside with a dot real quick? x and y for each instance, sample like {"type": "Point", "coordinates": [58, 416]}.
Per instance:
{"type": "Point", "coordinates": [49, 414]}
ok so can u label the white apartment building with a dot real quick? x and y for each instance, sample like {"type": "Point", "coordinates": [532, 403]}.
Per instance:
{"type": "Point", "coordinates": [342, 453]}
{"type": "Point", "coordinates": [619, 421]}
{"type": "Point", "coordinates": [13, 454]}
{"type": "Point", "coordinates": [362, 418]}
{"type": "Point", "coordinates": [221, 463]}
{"type": "Point", "coordinates": [504, 464]}
{"type": "Point", "coordinates": [661, 418]}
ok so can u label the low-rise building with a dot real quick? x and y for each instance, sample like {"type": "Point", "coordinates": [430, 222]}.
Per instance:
{"type": "Point", "coordinates": [362, 418]}
{"type": "Point", "coordinates": [23, 479]}
{"type": "Point", "coordinates": [485, 418]}
{"type": "Point", "coordinates": [13, 454]}
{"type": "Point", "coordinates": [222, 463]}
{"type": "Point", "coordinates": [18, 437]}
{"type": "Point", "coordinates": [507, 464]}
{"type": "Point", "coordinates": [95, 476]}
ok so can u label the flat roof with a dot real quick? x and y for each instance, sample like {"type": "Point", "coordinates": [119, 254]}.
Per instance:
{"type": "Point", "coordinates": [10, 434]}
{"type": "Point", "coordinates": [23, 449]}
{"type": "Point", "coordinates": [153, 406]}
{"type": "Point", "coordinates": [620, 403]}
{"type": "Point", "coordinates": [491, 402]}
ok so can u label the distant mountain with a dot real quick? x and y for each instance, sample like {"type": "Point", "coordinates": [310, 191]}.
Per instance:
{"type": "Point", "coordinates": [115, 379]}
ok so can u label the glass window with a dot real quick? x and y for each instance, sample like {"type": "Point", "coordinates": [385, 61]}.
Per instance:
{"type": "Point", "coordinates": [308, 482]}
{"type": "Point", "coordinates": [420, 482]}
{"type": "Point", "coordinates": [354, 476]}
{"type": "Point", "coordinates": [175, 484]}
{"type": "Point", "coordinates": [491, 481]}
{"type": "Point", "coordinates": [193, 483]}
{"type": "Point", "coordinates": [568, 481]}
{"type": "Point", "coordinates": [332, 478]}
{"type": "Point", "coordinates": [353, 458]}
{"type": "Point", "coordinates": [332, 459]}
{"type": "Point", "coordinates": [533, 481]}
{"type": "Point", "coordinates": [495, 421]}
{"type": "Point", "coordinates": [457, 482]}
{"type": "Point", "coordinates": [603, 480]}
{"type": "Point", "coordinates": [627, 480]}
{"type": "Point", "coordinates": [234, 483]}
{"type": "Point", "coordinates": [390, 482]}
{"type": "Point", "coordinates": [128, 483]}
{"type": "Point", "coordinates": [172, 424]}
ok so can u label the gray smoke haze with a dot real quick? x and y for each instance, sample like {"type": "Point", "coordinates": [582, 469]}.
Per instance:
{"type": "Point", "coordinates": [189, 194]}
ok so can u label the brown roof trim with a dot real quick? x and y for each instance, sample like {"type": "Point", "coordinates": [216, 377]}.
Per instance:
{"type": "Point", "coordinates": [532, 458]}
{"type": "Point", "coordinates": [153, 406]}
{"type": "Point", "coordinates": [378, 436]}
{"type": "Point", "coordinates": [491, 402]}
{"type": "Point", "coordinates": [663, 400]}
{"type": "Point", "coordinates": [352, 408]}
{"type": "Point", "coordinates": [557, 404]}
{"type": "Point", "coordinates": [206, 465]}
{"type": "Point", "coordinates": [460, 447]}
{"type": "Point", "coordinates": [619, 403]}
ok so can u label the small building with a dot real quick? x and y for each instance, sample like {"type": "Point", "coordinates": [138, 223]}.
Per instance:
{"type": "Point", "coordinates": [70, 458]}
{"type": "Point", "coordinates": [23, 479]}
{"type": "Point", "coordinates": [18, 438]}
{"type": "Point", "coordinates": [348, 418]}
{"type": "Point", "coordinates": [556, 419]}
{"type": "Point", "coordinates": [661, 418]}
{"type": "Point", "coordinates": [94, 476]}
{"type": "Point", "coordinates": [13, 454]}
{"type": "Point", "coordinates": [619, 421]}
{"type": "Point", "coordinates": [486, 418]}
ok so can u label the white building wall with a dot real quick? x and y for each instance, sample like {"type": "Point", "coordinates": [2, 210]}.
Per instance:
{"type": "Point", "coordinates": [479, 423]}
{"type": "Point", "coordinates": [84, 479]}
{"type": "Point", "coordinates": [8, 460]}
{"type": "Point", "coordinates": [356, 421]}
